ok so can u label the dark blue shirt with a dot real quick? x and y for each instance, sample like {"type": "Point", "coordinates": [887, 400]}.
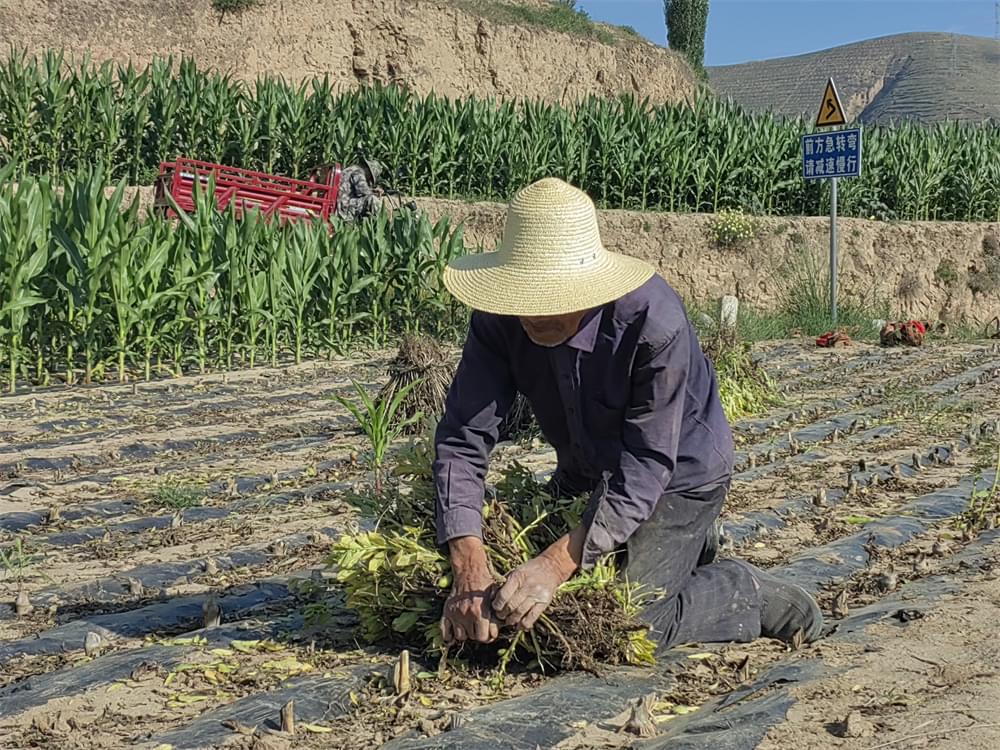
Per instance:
{"type": "Point", "coordinates": [630, 404]}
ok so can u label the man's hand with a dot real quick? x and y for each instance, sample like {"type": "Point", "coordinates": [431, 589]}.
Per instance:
{"type": "Point", "coordinates": [528, 591]}
{"type": "Point", "coordinates": [531, 587]}
{"type": "Point", "coordinates": [467, 613]}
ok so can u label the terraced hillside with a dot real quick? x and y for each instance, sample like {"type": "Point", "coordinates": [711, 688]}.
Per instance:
{"type": "Point", "coordinates": [926, 77]}
{"type": "Point", "coordinates": [872, 486]}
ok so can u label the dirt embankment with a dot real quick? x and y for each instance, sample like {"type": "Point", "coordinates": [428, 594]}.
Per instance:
{"type": "Point", "coordinates": [423, 44]}
{"type": "Point", "coordinates": [947, 271]}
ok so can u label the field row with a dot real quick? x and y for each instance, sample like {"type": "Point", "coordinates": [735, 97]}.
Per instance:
{"type": "Point", "coordinates": [228, 489]}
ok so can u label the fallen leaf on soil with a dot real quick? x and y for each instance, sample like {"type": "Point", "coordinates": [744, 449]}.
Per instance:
{"type": "Point", "coordinates": [701, 657]}
{"type": "Point", "coordinates": [212, 676]}
{"type": "Point", "coordinates": [249, 647]}
{"type": "Point", "coordinates": [315, 728]}
{"type": "Point", "coordinates": [189, 699]}
{"type": "Point", "coordinates": [289, 664]}
{"type": "Point", "coordinates": [195, 640]}
{"type": "Point", "coordinates": [858, 520]}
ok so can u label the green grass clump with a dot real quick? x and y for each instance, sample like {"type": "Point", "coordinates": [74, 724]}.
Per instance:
{"type": "Point", "coordinates": [745, 389]}
{"type": "Point", "coordinates": [945, 272]}
{"type": "Point", "coordinates": [986, 279]}
{"type": "Point", "coordinates": [983, 512]}
{"type": "Point", "coordinates": [733, 228]}
{"type": "Point", "coordinates": [804, 307]}
{"type": "Point", "coordinates": [559, 15]}
{"type": "Point", "coordinates": [178, 496]}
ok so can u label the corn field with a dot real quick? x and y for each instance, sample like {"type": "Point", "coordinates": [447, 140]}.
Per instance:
{"type": "Point", "coordinates": [56, 117]}
{"type": "Point", "coordinates": [88, 288]}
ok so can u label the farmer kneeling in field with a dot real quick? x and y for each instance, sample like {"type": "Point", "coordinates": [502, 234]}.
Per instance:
{"type": "Point", "coordinates": [603, 350]}
{"type": "Point", "coordinates": [359, 196]}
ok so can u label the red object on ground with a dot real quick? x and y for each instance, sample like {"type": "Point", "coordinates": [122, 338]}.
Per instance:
{"type": "Point", "coordinates": [909, 332]}
{"type": "Point", "coordinates": [273, 195]}
{"type": "Point", "coordinates": [833, 339]}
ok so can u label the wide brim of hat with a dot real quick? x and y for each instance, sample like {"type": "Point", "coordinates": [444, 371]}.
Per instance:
{"type": "Point", "coordinates": [483, 282]}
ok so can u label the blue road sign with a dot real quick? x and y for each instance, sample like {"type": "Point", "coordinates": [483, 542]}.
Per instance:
{"type": "Point", "coordinates": [836, 153]}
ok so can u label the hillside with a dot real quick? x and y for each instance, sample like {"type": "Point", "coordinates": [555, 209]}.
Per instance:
{"type": "Point", "coordinates": [927, 77]}
{"type": "Point", "coordinates": [528, 49]}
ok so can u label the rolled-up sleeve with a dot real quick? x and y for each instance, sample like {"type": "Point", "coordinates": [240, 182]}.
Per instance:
{"type": "Point", "coordinates": [480, 396]}
{"type": "Point", "coordinates": [629, 493]}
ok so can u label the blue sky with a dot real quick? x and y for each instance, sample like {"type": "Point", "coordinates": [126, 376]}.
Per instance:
{"type": "Point", "coordinates": [743, 30]}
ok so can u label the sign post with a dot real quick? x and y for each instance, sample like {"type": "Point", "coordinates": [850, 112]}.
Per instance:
{"type": "Point", "coordinates": [830, 156]}
{"type": "Point", "coordinates": [833, 250]}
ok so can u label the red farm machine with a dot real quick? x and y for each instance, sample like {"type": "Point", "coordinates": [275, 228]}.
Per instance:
{"type": "Point", "coordinates": [286, 198]}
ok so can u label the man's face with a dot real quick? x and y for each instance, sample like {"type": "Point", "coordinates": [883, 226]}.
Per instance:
{"type": "Point", "coordinates": [552, 330]}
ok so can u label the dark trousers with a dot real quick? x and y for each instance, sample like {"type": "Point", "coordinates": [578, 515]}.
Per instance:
{"type": "Point", "coordinates": [713, 603]}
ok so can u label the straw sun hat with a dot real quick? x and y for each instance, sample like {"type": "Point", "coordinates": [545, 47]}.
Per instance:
{"type": "Point", "coordinates": [551, 260]}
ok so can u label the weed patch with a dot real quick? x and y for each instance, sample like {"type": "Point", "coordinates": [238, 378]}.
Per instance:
{"type": "Point", "coordinates": [560, 15]}
{"type": "Point", "coordinates": [983, 512]}
{"type": "Point", "coordinates": [178, 496]}
{"type": "Point", "coordinates": [804, 307]}
{"type": "Point", "coordinates": [733, 228]}
{"type": "Point", "coordinates": [986, 280]}
{"type": "Point", "coordinates": [744, 387]}
{"type": "Point", "coordinates": [945, 273]}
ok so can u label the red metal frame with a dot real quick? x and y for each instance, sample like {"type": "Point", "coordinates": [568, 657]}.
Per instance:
{"type": "Point", "coordinates": [273, 195]}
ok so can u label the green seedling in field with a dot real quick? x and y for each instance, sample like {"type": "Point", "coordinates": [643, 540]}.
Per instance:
{"type": "Point", "coordinates": [984, 507]}
{"type": "Point", "coordinates": [415, 459]}
{"type": "Point", "coordinates": [178, 496]}
{"type": "Point", "coordinates": [376, 417]}
{"type": "Point", "coordinates": [14, 562]}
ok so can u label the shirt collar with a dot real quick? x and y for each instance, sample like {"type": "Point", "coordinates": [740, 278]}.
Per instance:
{"type": "Point", "coordinates": [585, 338]}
